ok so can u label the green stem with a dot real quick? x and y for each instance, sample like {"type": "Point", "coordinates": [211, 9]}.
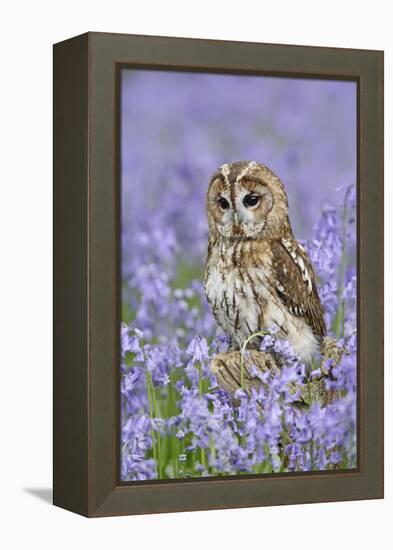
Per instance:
{"type": "Point", "coordinates": [339, 322]}
{"type": "Point", "coordinates": [200, 380]}
{"type": "Point", "coordinates": [200, 392]}
{"type": "Point", "coordinates": [172, 444]}
{"type": "Point", "coordinates": [312, 452]}
{"type": "Point", "coordinates": [243, 349]}
{"type": "Point", "coordinates": [212, 450]}
{"type": "Point", "coordinates": [156, 414]}
{"type": "Point", "coordinates": [153, 439]}
{"type": "Point", "coordinates": [203, 457]}
{"type": "Point", "coordinates": [175, 451]}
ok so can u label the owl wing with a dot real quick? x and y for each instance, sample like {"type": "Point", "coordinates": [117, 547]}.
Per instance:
{"type": "Point", "coordinates": [296, 283]}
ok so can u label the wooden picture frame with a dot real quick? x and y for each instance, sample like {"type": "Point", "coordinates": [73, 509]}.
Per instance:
{"type": "Point", "coordinates": [86, 274]}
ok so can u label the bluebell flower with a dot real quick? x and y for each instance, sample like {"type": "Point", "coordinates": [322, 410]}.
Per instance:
{"type": "Point", "coordinates": [130, 342]}
{"type": "Point", "coordinates": [198, 349]}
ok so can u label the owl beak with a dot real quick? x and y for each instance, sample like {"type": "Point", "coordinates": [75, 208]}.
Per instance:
{"type": "Point", "coordinates": [237, 231]}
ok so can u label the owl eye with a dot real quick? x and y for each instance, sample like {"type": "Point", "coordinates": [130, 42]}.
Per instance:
{"type": "Point", "coordinates": [224, 204]}
{"type": "Point", "coordinates": [251, 200]}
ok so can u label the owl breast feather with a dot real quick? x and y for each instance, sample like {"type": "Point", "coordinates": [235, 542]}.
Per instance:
{"type": "Point", "coordinates": [239, 286]}
{"type": "Point", "coordinates": [232, 294]}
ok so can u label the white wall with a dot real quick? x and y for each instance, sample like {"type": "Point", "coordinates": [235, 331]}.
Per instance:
{"type": "Point", "coordinates": [27, 31]}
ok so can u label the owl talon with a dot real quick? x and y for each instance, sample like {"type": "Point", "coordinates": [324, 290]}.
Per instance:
{"type": "Point", "coordinates": [233, 347]}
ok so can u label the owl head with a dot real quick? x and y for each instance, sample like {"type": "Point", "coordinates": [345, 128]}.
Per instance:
{"type": "Point", "coordinates": [246, 200]}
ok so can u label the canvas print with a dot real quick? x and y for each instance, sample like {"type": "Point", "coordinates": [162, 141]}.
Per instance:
{"type": "Point", "coordinates": [238, 275]}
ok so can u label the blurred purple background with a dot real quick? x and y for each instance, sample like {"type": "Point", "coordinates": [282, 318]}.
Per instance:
{"type": "Point", "coordinates": [177, 128]}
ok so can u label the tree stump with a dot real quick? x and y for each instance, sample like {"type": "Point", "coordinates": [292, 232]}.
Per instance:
{"type": "Point", "coordinates": [227, 369]}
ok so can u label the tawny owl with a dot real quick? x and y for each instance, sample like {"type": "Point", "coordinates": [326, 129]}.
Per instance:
{"type": "Point", "coordinates": [257, 275]}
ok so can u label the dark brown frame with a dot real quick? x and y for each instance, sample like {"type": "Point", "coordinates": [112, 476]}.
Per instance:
{"type": "Point", "coordinates": [86, 273]}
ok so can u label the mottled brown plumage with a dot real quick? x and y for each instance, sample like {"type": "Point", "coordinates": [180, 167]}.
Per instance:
{"type": "Point", "coordinates": [296, 284]}
{"type": "Point", "coordinates": [256, 273]}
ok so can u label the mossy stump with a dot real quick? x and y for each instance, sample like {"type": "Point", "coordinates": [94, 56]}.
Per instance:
{"type": "Point", "coordinates": [227, 369]}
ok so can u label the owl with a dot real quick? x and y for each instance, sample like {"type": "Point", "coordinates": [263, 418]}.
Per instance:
{"type": "Point", "coordinates": [257, 275]}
